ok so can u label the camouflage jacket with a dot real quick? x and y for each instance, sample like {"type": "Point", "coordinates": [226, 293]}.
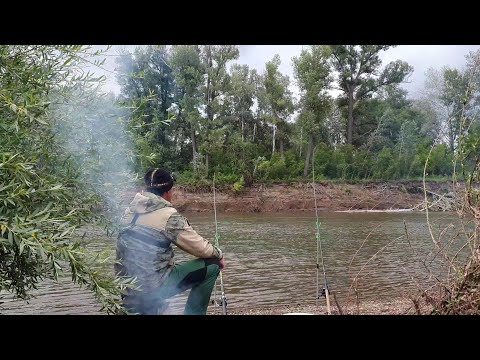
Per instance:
{"type": "Point", "coordinates": [144, 245]}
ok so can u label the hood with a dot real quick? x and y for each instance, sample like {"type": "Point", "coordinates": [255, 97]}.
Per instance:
{"type": "Point", "coordinates": [146, 202]}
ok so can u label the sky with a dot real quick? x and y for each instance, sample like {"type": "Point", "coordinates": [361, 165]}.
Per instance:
{"type": "Point", "coordinates": [421, 57]}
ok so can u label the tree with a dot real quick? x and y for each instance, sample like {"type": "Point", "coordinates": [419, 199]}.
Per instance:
{"type": "Point", "coordinates": [312, 72]}
{"type": "Point", "coordinates": [454, 92]}
{"type": "Point", "coordinates": [359, 76]}
{"type": "Point", "coordinates": [242, 93]}
{"type": "Point", "coordinates": [41, 191]}
{"type": "Point", "coordinates": [188, 73]}
{"type": "Point", "coordinates": [215, 59]}
{"type": "Point", "coordinates": [147, 88]}
{"type": "Point", "coordinates": [445, 91]}
{"type": "Point", "coordinates": [147, 73]}
{"type": "Point", "coordinates": [277, 100]}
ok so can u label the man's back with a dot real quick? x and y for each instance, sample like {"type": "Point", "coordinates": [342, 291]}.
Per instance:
{"type": "Point", "coordinates": [144, 251]}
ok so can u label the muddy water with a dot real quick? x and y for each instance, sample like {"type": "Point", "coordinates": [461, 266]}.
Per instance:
{"type": "Point", "coordinates": [271, 259]}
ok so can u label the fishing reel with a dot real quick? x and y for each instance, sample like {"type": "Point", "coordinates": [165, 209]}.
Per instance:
{"type": "Point", "coordinates": [323, 292]}
{"type": "Point", "coordinates": [220, 302]}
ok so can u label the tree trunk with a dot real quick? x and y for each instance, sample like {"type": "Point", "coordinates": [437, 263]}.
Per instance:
{"type": "Point", "coordinates": [281, 147]}
{"type": "Point", "coordinates": [242, 130]}
{"type": "Point", "coordinates": [206, 164]}
{"type": "Point", "coordinates": [209, 97]}
{"type": "Point", "coordinates": [273, 141]}
{"type": "Point", "coordinates": [350, 117]}
{"type": "Point", "coordinates": [301, 139]}
{"type": "Point", "coordinates": [451, 134]}
{"type": "Point", "coordinates": [254, 130]}
{"type": "Point", "coordinates": [307, 159]}
{"type": "Point", "coordinates": [194, 142]}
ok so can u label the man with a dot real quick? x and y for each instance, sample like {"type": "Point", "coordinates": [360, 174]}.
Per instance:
{"type": "Point", "coordinates": [144, 251]}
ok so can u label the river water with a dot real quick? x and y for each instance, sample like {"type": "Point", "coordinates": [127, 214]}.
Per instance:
{"type": "Point", "coordinates": [271, 259]}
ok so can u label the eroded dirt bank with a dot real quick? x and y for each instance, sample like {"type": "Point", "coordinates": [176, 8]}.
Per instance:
{"type": "Point", "coordinates": [299, 197]}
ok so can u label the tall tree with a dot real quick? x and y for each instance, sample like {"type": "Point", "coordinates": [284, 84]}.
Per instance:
{"type": "Point", "coordinates": [277, 99]}
{"type": "Point", "coordinates": [455, 86]}
{"type": "Point", "coordinates": [188, 74]}
{"type": "Point", "coordinates": [148, 89]}
{"type": "Point", "coordinates": [147, 76]}
{"type": "Point", "coordinates": [217, 79]}
{"type": "Point", "coordinates": [312, 71]}
{"type": "Point", "coordinates": [358, 67]}
{"type": "Point", "coordinates": [445, 91]}
{"type": "Point", "coordinates": [242, 92]}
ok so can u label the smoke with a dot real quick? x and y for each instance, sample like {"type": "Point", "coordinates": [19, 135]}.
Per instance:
{"type": "Point", "coordinates": [93, 129]}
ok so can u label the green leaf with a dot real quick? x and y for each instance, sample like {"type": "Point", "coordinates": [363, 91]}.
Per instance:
{"type": "Point", "coordinates": [5, 187]}
{"type": "Point", "coordinates": [68, 60]}
{"type": "Point", "coordinates": [41, 121]}
{"type": "Point", "coordinates": [21, 247]}
{"type": "Point", "coordinates": [41, 251]}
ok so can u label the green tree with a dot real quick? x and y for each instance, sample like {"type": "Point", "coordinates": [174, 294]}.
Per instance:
{"type": "Point", "coordinates": [242, 92]}
{"type": "Point", "coordinates": [43, 198]}
{"type": "Point", "coordinates": [453, 96]}
{"type": "Point", "coordinates": [217, 80]}
{"type": "Point", "coordinates": [147, 88]}
{"type": "Point", "coordinates": [312, 71]}
{"type": "Point", "coordinates": [188, 73]}
{"type": "Point", "coordinates": [358, 67]}
{"type": "Point", "coordinates": [277, 102]}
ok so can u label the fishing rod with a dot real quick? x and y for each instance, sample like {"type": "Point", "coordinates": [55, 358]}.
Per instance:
{"type": "Point", "coordinates": [223, 299]}
{"type": "Point", "coordinates": [325, 291]}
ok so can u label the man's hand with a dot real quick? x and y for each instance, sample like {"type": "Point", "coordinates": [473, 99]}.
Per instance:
{"type": "Point", "coordinates": [222, 263]}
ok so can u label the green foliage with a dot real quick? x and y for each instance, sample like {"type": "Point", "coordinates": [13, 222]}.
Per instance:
{"type": "Point", "coordinates": [359, 76]}
{"type": "Point", "coordinates": [228, 119]}
{"type": "Point", "coordinates": [280, 168]}
{"type": "Point", "coordinates": [239, 186]}
{"type": "Point", "coordinates": [224, 119]}
{"type": "Point", "coordinates": [384, 165]}
{"type": "Point", "coordinates": [439, 163]}
{"type": "Point", "coordinates": [42, 194]}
